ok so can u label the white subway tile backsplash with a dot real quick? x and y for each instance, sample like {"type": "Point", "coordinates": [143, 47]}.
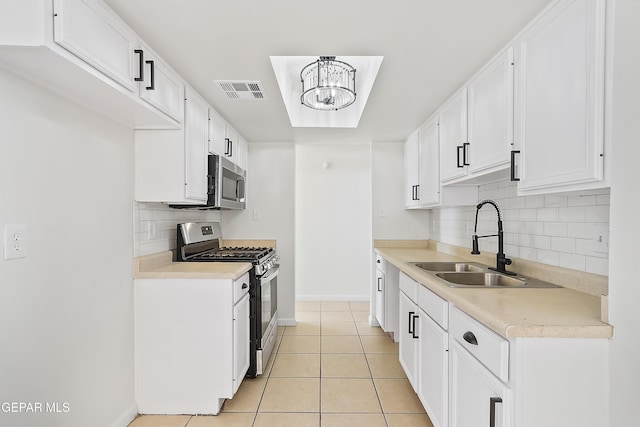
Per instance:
{"type": "Point", "coordinates": [165, 220]}
{"type": "Point", "coordinates": [597, 213]}
{"type": "Point", "coordinates": [597, 265]}
{"type": "Point", "coordinates": [572, 214]}
{"type": "Point", "coordinates": [579, 200]}
{"type": "Point", "coordinates": [547, 215]}
{"type": "Point", "coordinates": [563, 244]}
{"type": "Point", "coordinates": [559, 229]}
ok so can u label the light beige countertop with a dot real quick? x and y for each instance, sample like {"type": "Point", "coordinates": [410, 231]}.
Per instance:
{"type": "Point", "coordinates": [549, 312]}
{"type": "Point", "coordinates": [161, 266]}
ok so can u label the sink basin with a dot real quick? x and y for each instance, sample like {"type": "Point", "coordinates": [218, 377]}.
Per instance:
{"type": "Point", "coordinates": [447, 266]}
{"type": "Point", "coordinates": [491, 280]}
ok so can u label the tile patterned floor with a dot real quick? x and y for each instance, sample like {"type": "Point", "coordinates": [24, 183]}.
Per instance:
{"type": "Point", "coordinates": [331, 370]}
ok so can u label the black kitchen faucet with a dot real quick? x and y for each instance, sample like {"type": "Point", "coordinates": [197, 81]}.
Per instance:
{"type": "Point", "coordinates": [501, 260]}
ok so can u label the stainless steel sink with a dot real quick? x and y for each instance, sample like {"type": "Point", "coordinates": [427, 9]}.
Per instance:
{"type": "Point", "coordinates": [491, 280]}
{"type": "Point", "coordinates": [448, 266]}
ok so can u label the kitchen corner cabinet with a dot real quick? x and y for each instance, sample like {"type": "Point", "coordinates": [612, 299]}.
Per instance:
{"type": "Point", "coordinates": [81, 49]}
{"type": "Point", "coordinates": [386, 291]}
{"type": "Point", "coordinates": [524, 382]}
{"type": "Point", "coordinates": [191, 343]}
{"type": "Point", "coordinates": [560, 84]}
{"type": "Point", "coordinates": [171, 165]}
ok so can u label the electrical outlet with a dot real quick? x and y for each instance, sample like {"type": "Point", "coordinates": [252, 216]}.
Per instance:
{"type": "Point", "coordinates": [15, 241]}
{"type": "Point", "coordinates": [382, 212]}
{"type": "Point", "coordinates": [152, 230]}
{"type": "Point", "coordinates": [601, 238]}
{"type": "Point", "coordinates": [256, 215]}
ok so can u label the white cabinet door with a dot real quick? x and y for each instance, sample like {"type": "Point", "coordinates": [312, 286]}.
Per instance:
{"type": "Point", "coordinates": [380, 299]}
{"type": "Point", "coordinates": [196, 128]}
{"type": "Point", "coordinates": [429, 193]}
{"type": "Point", "coordinates": [408, 325]}
{"type": "Point", "coordinates": [241, 341]}
{"type": "Point", "coordinates": [477, 397]}
{"type": "Point", "coordinates": [412, 170]}
{"type": "Point", "coordinates": [453, 137]}
{"type": "Point", "coordinates": [560, 98]}
{"type": "Point", "coordinates": [491, 115]}
{"type": "Point", "coordinates": [159, 86]}
{"type": "Point", "coordinates": [230, 149]}
{"type": "Point", "coordinates": [217, 133]}
{"type": "Point", "coordinates": [242, 153]}
{"type": "Point", "coordinates": [89, 30]}
{"type": "Point", "coordinates": [433, 370]}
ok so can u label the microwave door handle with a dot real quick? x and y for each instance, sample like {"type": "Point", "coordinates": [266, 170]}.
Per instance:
{"type": "Point", "coordinates": [240, 189]}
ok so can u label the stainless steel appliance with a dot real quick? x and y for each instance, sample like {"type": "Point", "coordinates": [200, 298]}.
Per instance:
{"type": "Point", "coordinates": [225, 186]}
{"type": "Point", "coordinates": [200, 242]}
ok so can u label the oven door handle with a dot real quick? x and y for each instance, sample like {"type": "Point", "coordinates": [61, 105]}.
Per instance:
{"type": "Point", "coordinates": [267, 277]}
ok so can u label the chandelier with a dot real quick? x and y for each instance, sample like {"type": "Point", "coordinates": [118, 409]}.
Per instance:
{"type": "Point", "coordinates": [328, 84]}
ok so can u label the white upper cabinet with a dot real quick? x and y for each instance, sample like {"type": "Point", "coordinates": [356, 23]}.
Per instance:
{"type": "Point", "coordinates": [412, 170]}
{"type": "Point", "coordinates": [429, 194]}
{"type": "Point", "coordinates": [490, 120]}
{"type": "Point", "coordinates": [83, 50]}
{"type": "Point", "coordinates": [217, 133]}
{"type": "Point", "coordinates": [242, 153]}
{"type": "Point", "coordinates": [88, 30]}
{"type": "Point", "coordinates": [158, 85]}
{"type": "Point", "coordinates": [196, 129]}
{"type": "Point", "coordinates": [559, 126]}
{"type": "Point", "coordinates": [453, 137]}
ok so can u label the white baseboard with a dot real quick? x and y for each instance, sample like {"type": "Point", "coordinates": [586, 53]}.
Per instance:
{"type": "Point", "coordinates": [332, 298]}
{"type": "Point", "coordinates": [287, 322]}
{"type": "Point", "coordinates": [126, 417]}
{"type": "Point", "coordinates": [373, 321]}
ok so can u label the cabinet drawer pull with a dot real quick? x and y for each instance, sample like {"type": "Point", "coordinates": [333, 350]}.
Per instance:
{"type": "Point", "coordinates": [140, 77]}
{"type": "Point", "coordinates": [411, 313]}
{"type": "Point", "coordinates": [513, 165]}
{"type": "Point", "coordinates": [464, 153]}
{"type": "Point", "coordinates": [470, 338]}
{"type": "Point", "coordinates": [492, 410]}
{"type": "Point", "coordinates": [152, 69]}
{"type": "Point", "coordinates": [413, 333]}
{"type": "Point", "coordinates": [458, 148]}
{"type": "Point", "coordinates": [379, 283]}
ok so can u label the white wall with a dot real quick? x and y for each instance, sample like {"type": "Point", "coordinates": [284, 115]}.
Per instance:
{"type": "Point", "coordinates": [66, 311]}
{"type": "Point", "coordinates": [624, 285]}
{"type": "Point", "coordinates": [556, 229]}
{"type": "Point", "coordinates": [333, 221]}
{"type": "Point", "coordinates": [390, 219]}
{"type": "Point", "coordinates": [270, 194]}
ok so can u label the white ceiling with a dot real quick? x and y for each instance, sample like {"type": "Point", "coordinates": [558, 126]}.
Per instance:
{"type": "Point", "coordinates": [430, 48]}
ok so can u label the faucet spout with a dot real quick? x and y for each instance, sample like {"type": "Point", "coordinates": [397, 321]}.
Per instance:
{"type": "Point", "coordinates": [501, 260]}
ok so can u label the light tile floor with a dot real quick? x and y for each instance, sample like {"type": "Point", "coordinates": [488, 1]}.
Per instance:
{"type": "Point", "coordinates": [331, 370]}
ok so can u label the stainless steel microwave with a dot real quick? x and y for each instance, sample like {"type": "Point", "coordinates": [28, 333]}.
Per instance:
{"type": "Point", "coordinates": [225, 186]}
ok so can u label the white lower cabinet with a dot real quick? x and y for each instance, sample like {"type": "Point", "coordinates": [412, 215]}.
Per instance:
{"type": "Point", "coordinates": [408, 328]}
{"type": "Point", "coordinates": [477, 397]}
{"type": "Point", "coordinates": [433, 369]}
{"type": "Point", "coordinates": [191, 343]}
{"type": "Point", "coordinates": [386, 292]}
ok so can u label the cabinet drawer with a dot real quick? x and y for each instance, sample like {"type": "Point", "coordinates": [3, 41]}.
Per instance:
{"type": "Point", "coordinates": [436, 307]}
{"type": "Point", "coordinates": [409, 287]}
{"type": "Point", "coordinates": [381, 264]}
{"type": "Point", "coordinates": [240, 287]}
{"type": "Point", "coordinates": [485, 345]}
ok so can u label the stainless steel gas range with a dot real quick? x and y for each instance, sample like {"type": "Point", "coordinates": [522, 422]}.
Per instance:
{"type": "Point", "coordinates": [200, 242]}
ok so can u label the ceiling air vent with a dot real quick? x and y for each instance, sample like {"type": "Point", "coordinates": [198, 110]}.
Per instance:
{"type": "Point", "coordinates": [241, 89]}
